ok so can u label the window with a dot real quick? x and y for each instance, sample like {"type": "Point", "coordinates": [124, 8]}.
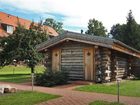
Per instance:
{"type": "Point", "coordinates": [10, 29]}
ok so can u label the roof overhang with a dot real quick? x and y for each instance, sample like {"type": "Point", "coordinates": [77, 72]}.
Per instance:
{"type": "Point", "coordinates": [112, 44]}
{"type": "Point", "coordinates": [39, 48]}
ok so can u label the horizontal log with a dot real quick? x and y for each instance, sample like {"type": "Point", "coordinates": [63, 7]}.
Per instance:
{"type": "Point", "coordinates": [75, 72]}
{"type": "Point", "coordinates": [121, 66]}
{"type": "Point", "coordinates": [72, 61]}
{"type": "Point", "coordinates": [118, 68]}
{"type": "Point", "coordinates": [107, 71]}
{"type": "Point", "coordinates": [72, 52]}
{"type": "Point", "coordinates": [107, 78]}
{"type": "Point", "coordinates": [72, 55]}
{"type": "Point", "coordinates": [73, 64]}
{"type": "Point", "coordinates": [76, 78]}
{"type": "Point", "coordinates": [121, 62]}
{"type": "Point", "coordinates": [73, 69]}
{"type": "Point", "coordinates": [120, 76]}
{"type": "Point", "coordinates": [106, 59]}
{"type": "Point", "coordinates": [70, 66]}
{"type": "Point", "coordinates": [120, 71]}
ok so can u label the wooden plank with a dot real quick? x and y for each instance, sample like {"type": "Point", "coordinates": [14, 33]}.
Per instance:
{"type": "Point", "coordinates": [125, 50]}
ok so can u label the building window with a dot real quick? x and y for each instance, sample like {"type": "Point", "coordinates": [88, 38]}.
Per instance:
{"type": "Point", "coordinates": [10, 29]}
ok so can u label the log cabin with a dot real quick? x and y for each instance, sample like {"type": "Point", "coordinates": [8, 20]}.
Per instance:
{"type": "Point", "coordinates": [88, 57]}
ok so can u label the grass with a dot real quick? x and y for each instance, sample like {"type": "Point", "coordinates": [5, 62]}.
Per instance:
{"type": "Point", "coordinates": [128, 88]}
{"type": "Point", "coordinates": [25, 98]}
{"type": "Point", "coordinates": [21, 73]}
{"type": "Point", "coordinates": [105, 103]}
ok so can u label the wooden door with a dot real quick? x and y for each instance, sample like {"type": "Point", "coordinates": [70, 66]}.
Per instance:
{"type": "Point", "coordinates": [56, 56]}
{"type": "Point", "coordinates": [89, 63]}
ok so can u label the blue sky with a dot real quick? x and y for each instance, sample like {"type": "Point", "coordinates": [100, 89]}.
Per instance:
{"type": "Point", "coordinates": [73, 13]}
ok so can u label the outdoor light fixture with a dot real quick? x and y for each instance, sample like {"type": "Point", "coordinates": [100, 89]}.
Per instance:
{"type": "Point", "coordinates": [14, 63]}
{"type": "Point", "coordinates": [118, 89]}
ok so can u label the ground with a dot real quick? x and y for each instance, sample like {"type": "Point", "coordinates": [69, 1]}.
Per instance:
{"type": "Point", "coordinates": [70, 95]}
{"type": "Point", "coordinates": [104, 103]}
{"type": "Point", "coordinates": [127, 88]}
{"type": "Point", "coordinates": [19, 74]}
{"type": "Point", "coordinates": [25, 98]}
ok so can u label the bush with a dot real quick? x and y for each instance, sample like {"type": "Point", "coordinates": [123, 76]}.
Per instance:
{"type": "Point", "coordinates": [49, 78]}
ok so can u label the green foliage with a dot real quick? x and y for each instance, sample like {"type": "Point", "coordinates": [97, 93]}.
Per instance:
{"type": "Point", "coordinates": [96, 27]}
{"type": "Point", "coordinates": [49, 78]}
{"type": "Point", "coordinates": [105, 103]}
{"type": "Point", "coordinates": [25, 98]}
{"type": "Point", "coordinates": [128, 88]}
{"type": "Point", "coordinates": [128, 33]}
{"type": "Point", "coordinates": [54, 24]}
{"type": "Point", "coordinates": [21, 45]}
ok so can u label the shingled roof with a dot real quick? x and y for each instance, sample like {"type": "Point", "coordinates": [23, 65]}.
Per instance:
{"type": "Point", "coordinates": [85, 38]}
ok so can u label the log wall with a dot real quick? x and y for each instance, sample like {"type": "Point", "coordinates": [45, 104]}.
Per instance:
{"type": "Point", "coordinates": [106, 64]}
{"type": "Point", "coordinates": [72, 59]}
{"type": "Point", "coordinates": [135, 68]}
{"type": "Point", "coordinates": [103, 64]}
{"type": "Point", "coordinates": [120, 66]}
{"type": "Point", "coordinates": [109, 64]}
{"type": "Point", "coordinates": [48, 60]}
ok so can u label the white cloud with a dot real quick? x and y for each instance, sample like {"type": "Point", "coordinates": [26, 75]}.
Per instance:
{"type": "Point", "coordinates": [78, 12]}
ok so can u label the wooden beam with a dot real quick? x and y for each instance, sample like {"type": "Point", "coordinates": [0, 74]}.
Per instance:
{"type": "Point", "coordinates": [125, 50]}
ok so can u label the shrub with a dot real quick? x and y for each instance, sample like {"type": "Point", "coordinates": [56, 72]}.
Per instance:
{"type": "Point", "coordinates": [49, 78]}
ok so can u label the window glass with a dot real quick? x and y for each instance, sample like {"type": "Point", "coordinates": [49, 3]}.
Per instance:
{"type": "Point", "coordinates": [10, 29]}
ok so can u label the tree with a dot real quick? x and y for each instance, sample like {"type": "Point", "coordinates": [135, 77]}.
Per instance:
{"type": "Point", "coordinates": [58, 26]}
{"type": "Point", "coordinates": [118, 31]}
{"type": "Point", "coordinates": [96, 27]}
{"type": "Point", "coordinates": [21, 45]}
{"type": "Point", "coordinates": [128, 33]}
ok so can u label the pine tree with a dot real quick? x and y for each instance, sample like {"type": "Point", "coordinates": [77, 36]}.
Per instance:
{"type": "Point", "coordinates": [128, 33]}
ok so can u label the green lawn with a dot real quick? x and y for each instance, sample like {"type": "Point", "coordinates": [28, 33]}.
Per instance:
{"type": "Point", "coordinates": [25, 98]}
{"type": "Point", "coordinates": [21, 73]}
{"type": "Point", "coordinates": [105, 103]}
{"type": "Point", "coordinates": [128, 88]}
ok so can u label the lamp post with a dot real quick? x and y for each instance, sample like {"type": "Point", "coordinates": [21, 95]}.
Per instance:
{"type": "Point", "coordinates": [118, 89]}
{"type": "Point", "coordinates": [14, 63]}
